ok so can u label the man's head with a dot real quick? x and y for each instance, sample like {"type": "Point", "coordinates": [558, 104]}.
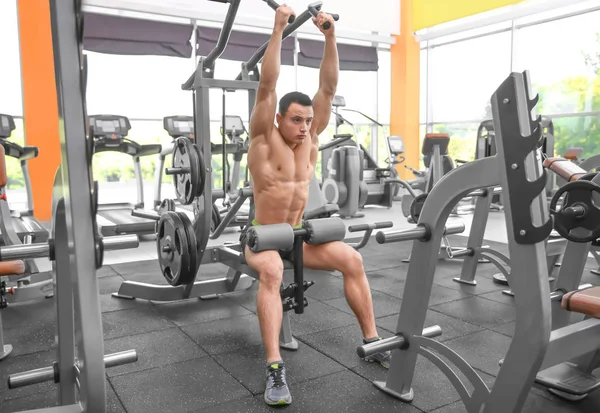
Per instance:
{"type": "Point", "coordinates": [295, 117]}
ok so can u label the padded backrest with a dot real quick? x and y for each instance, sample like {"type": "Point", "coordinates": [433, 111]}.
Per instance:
{"type": "Point", "coordinates": [567, 170]}
{"type": "Point", "coordinates": [432, 139]}
{"type": "Point", "coordinates": [573, 154]}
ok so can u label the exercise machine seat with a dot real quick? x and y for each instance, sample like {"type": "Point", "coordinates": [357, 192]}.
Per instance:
{"type": "Point", "coordinates": [586, 301]}
{"type": "Point", "coordinates": [12, 268]}
{"type": "Point", "coordinates": [317, 207]}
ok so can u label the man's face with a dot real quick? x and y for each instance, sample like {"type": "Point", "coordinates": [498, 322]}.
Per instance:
{"type": "Point", "coordinates": [294, 126]}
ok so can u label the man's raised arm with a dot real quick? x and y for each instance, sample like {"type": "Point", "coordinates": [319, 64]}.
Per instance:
{"type": "Point", "coordinates": [263, 114]}
{"type": "Point", "coordinates": [328, 76]}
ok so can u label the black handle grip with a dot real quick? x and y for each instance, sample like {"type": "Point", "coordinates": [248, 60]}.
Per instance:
{"type": "Point", "coordinates": [314, 11]}
{"type": "Point", "coordinates": [274, 5]}
{"type": "Point", "coordinates": [365, 227]}
{"type": "Point", "coordinates": [327, 25]}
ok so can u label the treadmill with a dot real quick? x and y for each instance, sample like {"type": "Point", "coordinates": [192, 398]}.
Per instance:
{"type": "Point", "coordinates": [27, 228]}
{"type": "Point", "coordinates": [109, 134]}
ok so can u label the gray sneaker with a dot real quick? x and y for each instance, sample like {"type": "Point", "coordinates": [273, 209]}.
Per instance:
{"type": "Point", "coordinates": [277, 392]}
{"type": "Point", "coordinates": [383, 358]}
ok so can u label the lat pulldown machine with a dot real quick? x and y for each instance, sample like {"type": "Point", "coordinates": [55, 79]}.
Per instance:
{"type": "Point", "coordinates": [182, 244]}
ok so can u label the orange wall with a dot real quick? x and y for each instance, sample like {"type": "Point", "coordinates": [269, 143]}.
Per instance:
{"type": "Point", "coordinates": [40, 107]}
{"type": "Point", "coordinates": [404, 110]}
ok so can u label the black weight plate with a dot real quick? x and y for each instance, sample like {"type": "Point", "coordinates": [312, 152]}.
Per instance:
{"type": "Point", "coordinates": [190, 276]}
{"type": "Point", "coordinates": [216, 218]}
{"type": "Point", "coordinates": [186, 183]}
{"type": "Point", "coordinates": [416, 206]}
{"type": "Point", "coordinates": [99, 250]}
{"type": "Point", "coordinates": [577, 193]}
{"type": "Point", "coordinates": [165, 206]}
{"type": "Point", "coordinates": [201, 171]}
{"type": "Point", "coordinates": [95, 199]}
{"type": "Point", "coordinates": [172, 248]}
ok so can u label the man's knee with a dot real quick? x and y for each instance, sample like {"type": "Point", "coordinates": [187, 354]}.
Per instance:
{"type": "Point", "coordinates": [271, 274]}
{"type": "Point", "coordinates": [352, 262]}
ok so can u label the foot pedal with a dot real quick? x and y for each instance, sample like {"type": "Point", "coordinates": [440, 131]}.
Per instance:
{"type": "Point", "coordinates": [5, 351]}
{"type": "Point", "coordinates": [500, 279]}
{"type": "Point", "coordinates": [567, 378]}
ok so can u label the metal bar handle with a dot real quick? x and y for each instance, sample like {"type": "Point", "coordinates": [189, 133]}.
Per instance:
{"type": "Point", "coordinates": [273, 4]}
{"type": "Point", "coordinates": [416, 233]}
{"type": "Point", "coordinates": [394, 342]}
{"type": "Point", "coordinates": [120, 242]}
{"type": "Point", "coordinates": [44, 374]}
{"type": "Point", "coordinates": [299, 21]}
{"type": "Point", "coordinates": [314, 11]}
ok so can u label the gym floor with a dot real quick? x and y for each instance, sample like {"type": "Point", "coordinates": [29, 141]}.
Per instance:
{"type": "Point", "coordinates": [206, 355]}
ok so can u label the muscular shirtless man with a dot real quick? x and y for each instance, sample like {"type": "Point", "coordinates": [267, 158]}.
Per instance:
{"type": "Point", "coordinates": [282, 160]}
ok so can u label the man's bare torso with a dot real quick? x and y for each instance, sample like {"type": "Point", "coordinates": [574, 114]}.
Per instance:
{"type": "Point", "coordinates": [281, 178]}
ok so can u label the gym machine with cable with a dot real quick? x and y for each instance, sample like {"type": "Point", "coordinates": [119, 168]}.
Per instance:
{"type": "Point", "coordinates": [182, 244]}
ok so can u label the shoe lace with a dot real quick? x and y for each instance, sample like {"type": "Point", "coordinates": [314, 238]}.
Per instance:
{"type": "Point", "coordinates": [277, 376]}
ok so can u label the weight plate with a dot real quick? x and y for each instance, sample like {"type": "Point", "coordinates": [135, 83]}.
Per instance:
{"type": "Point", "coordinates": [186, 182]}
{"type": "Point", "coordinates": [216, 218]}
{"type": "Point", "coordinates": [99, 250]}
{"type": "Point", "coordinates": [95, 199]}
{"type": "Point", "coordinates": [201, 170]}
{"type": "Point", "coordinates": [577, 194]}
{"type": "Point", "coordinates": [165, 206]}
{"type": "Point", "coordinates": [172, 248]}
{"type": "Point", "coordinates": [416, 206]}
{"type": "Point", "coordinates": [189, 276]}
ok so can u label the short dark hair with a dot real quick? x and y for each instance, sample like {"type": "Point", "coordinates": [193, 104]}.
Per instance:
{"type": "Point", "coordinates": [293, 97]}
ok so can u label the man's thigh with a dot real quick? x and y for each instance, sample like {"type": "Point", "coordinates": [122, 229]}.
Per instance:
{"type": "Point", "coordinates": [334, 255]}
{"type": "Point", "coordinates": [263, 261]}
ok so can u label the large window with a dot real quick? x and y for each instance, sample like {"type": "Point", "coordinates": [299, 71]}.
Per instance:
{"type": "Point", "coordinates": [464, 75]}
{"type": "Point", "coordinates": [10, 69]}
{"type": "Point", "coordinates": [561, 51]}
{"type": "Point", "coordinates": [139, 87]}
{"type": "Point", "coordinates": [564, 66]}
{"type": "Point", "coordinates": [565, 72]}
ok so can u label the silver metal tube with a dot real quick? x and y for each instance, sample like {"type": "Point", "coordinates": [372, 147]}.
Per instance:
{"type": "Point", "coordinates": [25, 251]}
{"type": "Point", "coordinates": [140, 213]}
{"type": "Point", "coordinates": [22, 252]}
{"type": "Point", "coordinates": [31, 377]}
{"type": "Point", "coordinates": [121, 242]}
{"type": "Point", "coordinates": [393, 342]}
{"type": "Point", "coordinates": [462, 253]}
{"type": "Point", "coordinates": [418, 232]}
{"type": "Point", "coordinates": [118, 359]}
{"type": "Point", "coordinates": [44, 374]}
